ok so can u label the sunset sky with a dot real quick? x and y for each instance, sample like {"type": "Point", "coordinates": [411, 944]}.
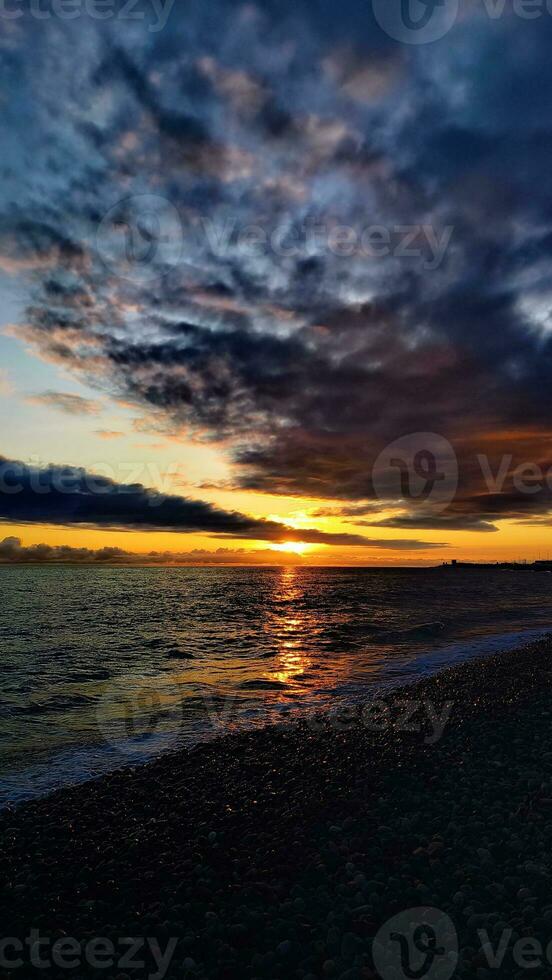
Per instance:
{"type": "Point", "coordinates": [262, 268]}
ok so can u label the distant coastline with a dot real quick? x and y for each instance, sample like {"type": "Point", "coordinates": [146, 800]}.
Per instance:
{"type": "Point", "coordinates": [516, 566]}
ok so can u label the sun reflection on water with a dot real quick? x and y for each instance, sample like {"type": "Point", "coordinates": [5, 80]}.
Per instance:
{"type": "Point", "coordinates": [289, 624]}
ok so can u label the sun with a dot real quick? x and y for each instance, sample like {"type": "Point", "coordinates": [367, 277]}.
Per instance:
{"type": "Point", "coordinates": [292, 547]}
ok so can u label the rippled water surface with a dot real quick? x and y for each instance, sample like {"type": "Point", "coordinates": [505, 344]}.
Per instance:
{"type": "Point", "coordinates": [105, 666]}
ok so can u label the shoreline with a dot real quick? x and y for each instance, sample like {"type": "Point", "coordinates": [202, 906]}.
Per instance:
{"type": "Point", "coordinates": [277, 851]}
{"type": "Point", "coordinates": [51, 772]}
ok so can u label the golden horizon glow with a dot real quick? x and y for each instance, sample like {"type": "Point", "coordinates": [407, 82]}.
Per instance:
{"type": "Point", "coordinates": [511, 542]}
{"type": "Point", "coordinates": [293, 547]}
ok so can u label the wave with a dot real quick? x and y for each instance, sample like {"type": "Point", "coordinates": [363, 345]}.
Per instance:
{"type": "Point", "coordinates": [262, 685]}
{"type": "Point", "coordinates": [417, 631]}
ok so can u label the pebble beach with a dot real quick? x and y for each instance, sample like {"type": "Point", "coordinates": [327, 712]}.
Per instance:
{"type": "Point", "coordinates": [281, 853]}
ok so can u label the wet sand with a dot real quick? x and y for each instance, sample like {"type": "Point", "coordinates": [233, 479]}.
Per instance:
{"type": "Point", "coordinates": [280, 853]}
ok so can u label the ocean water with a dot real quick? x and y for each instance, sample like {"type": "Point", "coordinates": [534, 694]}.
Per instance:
{"type": "Point", "coordinates": [105, 667]}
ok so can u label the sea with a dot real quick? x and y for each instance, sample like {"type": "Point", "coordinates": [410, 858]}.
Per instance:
{"type": "Point", "coordinates": [109, 667]}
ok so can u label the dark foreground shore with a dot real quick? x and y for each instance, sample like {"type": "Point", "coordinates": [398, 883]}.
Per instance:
{"type": "Point", "coordinates": [280, 853]}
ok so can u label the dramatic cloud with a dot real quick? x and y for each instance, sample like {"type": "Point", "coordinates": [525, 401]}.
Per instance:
{"type": "Point", "coordinates": [293, 236]}
{"type": "Point", "coordinates": [436, 522]}
{"type": "Point", "coordinates": [68, 404]}
{"type": "Point", "coordinates": [70, 496]}
{"type": "Point", "coordinates": [356, 510]}
{"type": "Point", "coordinates": [12, 552]}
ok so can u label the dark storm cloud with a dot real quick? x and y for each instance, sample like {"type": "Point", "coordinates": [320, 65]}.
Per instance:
{"type": "Point", "coordinates": [438, 522]}
{"type": "Point", "coordinates": [302, 361]}
{"type": "Point", "coordinates": [71, 496]}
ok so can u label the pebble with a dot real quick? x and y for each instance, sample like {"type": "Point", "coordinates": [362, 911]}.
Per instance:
{"type": "Point", "coordinates": [325, 838]}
